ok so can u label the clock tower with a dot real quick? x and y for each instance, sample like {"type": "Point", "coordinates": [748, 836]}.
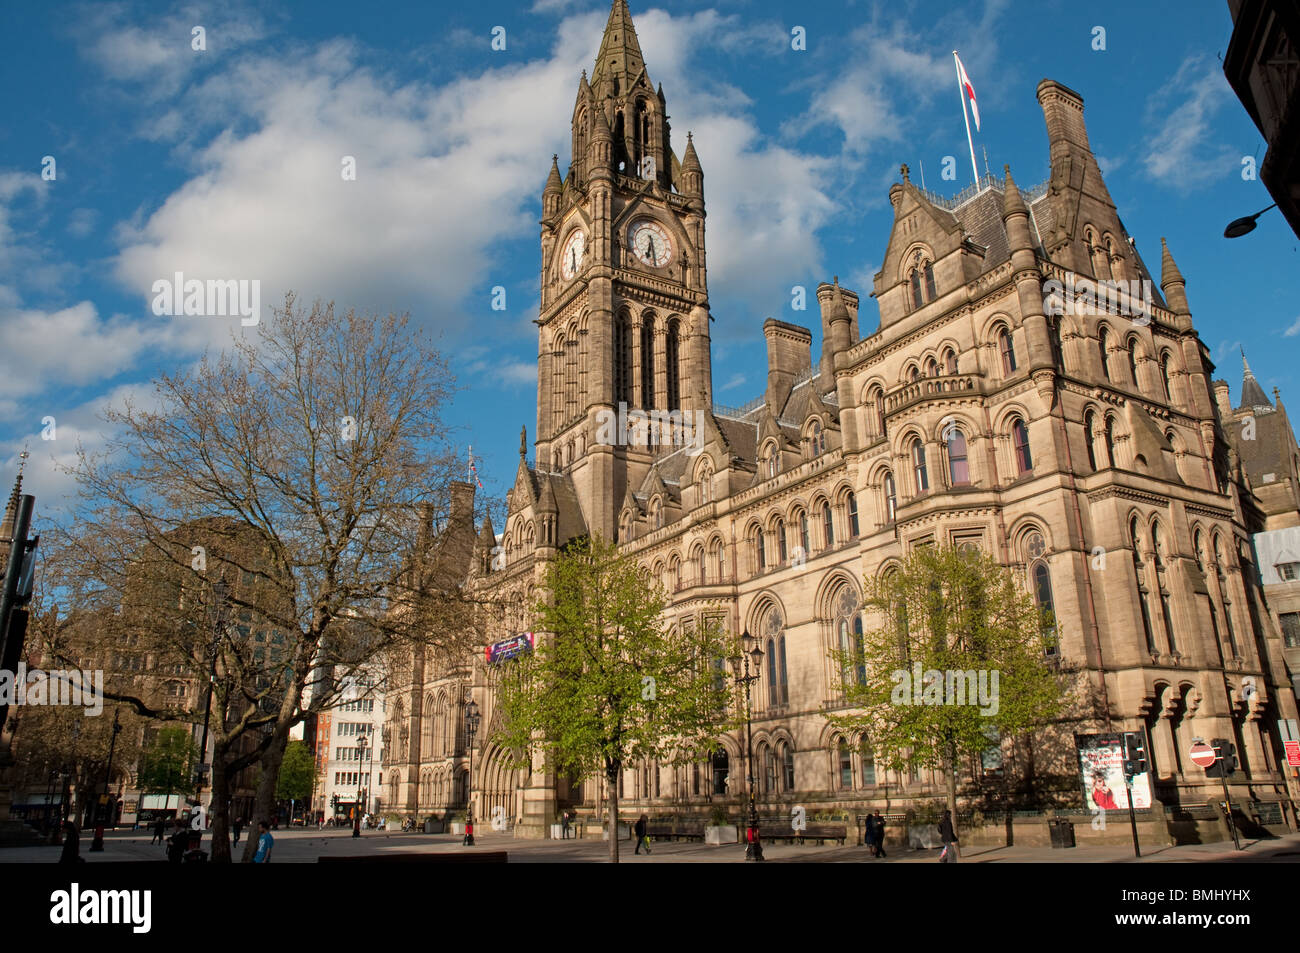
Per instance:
{"type": "Point", "coordinates": [624, 316]}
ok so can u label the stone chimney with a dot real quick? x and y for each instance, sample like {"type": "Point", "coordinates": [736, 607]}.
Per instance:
{"type": "Point", "coordinates": [462, 502]}
{"type": "Point", "coordinates": [789, 351]}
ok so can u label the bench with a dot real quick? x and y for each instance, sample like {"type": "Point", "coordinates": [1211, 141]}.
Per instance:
{"type": "Point", "coordinates": [779, 829]}
{"type": "Point", "coordinates": [676, 829]}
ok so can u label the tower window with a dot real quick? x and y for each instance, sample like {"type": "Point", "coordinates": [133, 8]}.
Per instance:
{"type": "Point", "coordinates": [1164, 375]}
{"type": "Point", "coordinates": [853, 515]}
{"type": "Point", "coordinates": [674, 377]}
{"type": "Point", "coordinates": [929, 282]}
{"type": "Point", "coordinates": [1089, 436]}
{"type": "Point", "coordinates": [1008, 349]}
{"type": "Point", "coordinates": [1132, 362]}
{"type": "Point", "coordinates": [917, 300]}
{"type": "Point", "coordinates": [1020, 438]}
{"type": "Point", "coordinates": [891, 499]}
{"type": "Point", "coordinates": [828, 525]}
{"type": "Point", "coordinates": [647, 365]}
{"type": "Point", "coordinates": [780, 542]}
{"type": "Point", "coordinates": [622, 361]}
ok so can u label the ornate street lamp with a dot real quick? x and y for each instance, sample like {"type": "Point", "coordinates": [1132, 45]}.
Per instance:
{"type": "Point", "coordinates": [361, 802]}
{"type": "Point", "coordinates": [97, 844]}
{"type": "Point", "coordinates": [471, 728]}
{"type": "Point", "coordinates": [746, 669]}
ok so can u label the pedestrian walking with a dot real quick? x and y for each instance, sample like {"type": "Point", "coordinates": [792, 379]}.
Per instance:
{"type": "Point", "coordinates": [238, 826]}
{"type": "Point", "coordinates": [71, 844]}
{"type": "Point", "coordinates": [880, 835]}
{"type": "Point", "coordinates": [869, 836]}
{"type": "Point", "coordinates": [564, 825]}
{"type": "Point", "coordinates": [265, 842]}
{"type": "Point", "coordinates": [178, 842]}
{"type": "Point", "coordinates": [159, 828]}
{"type": "Point", "coordinates": [639, 829]}
{"type": "Point", "coordinates": [949, 838]}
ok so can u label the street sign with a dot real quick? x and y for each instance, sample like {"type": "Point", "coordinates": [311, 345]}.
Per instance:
{"type": "Point", "coordinates": [1203, 755]}
{"type": "Point", "coordinates": [1292, 753]}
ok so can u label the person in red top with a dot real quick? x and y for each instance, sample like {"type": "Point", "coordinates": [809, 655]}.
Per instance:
{"type": "Point", "coordinates": [1101, 795]}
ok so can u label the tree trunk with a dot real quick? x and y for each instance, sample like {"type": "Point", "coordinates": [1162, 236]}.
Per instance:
{"type": "Point", "coordinates": [220, 806]}
{"type": "Point", "coordinates": [264, 802]}
{"type": "Point", "coordinates": [950, 767]}
{"type": "Point", "coordinates": [612, 773]}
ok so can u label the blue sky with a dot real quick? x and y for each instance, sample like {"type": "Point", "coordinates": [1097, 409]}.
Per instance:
{"type": "Point", "coordinates": [225, 163]}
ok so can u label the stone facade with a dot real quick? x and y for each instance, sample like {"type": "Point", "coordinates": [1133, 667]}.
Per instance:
{"type": "Point", "coordinates": [1000, 402]}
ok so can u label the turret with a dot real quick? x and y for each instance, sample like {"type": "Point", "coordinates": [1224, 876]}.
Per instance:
{"type": "Point", "coordinates": [551, 194]}
{"type": "Point", "coordinates": [692, 182]}
{"type": "Point", "coordinates": [1174, 287]}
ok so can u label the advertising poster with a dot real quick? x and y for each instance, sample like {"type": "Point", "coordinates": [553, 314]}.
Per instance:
{"type": "Point", "coordinates": [1101, 769]}
{"type": "Point", "coordinates": [502, 651]}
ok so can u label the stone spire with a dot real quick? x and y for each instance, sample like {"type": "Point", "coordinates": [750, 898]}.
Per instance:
{"type": "Point", "coordinates": [1174, 286]}
{"type": "Point", "coordinates": [692, 174]}
{"type": "Point", "coordinates": [554, 188]}
{"type": "Point", "coordinates": [1252, 395]}
{"type": "Point", "coordinates": [15, 498]}
{"type": "Point", "coordinates": [523, 442]}
{"type": "Point", "coordinates": [1012, 201]}
{"type": "Point", "coordinates": [619, 62]}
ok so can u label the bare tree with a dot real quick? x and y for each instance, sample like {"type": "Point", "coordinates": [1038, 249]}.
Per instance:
{"type": "Point", "coordinates": [299, 468]}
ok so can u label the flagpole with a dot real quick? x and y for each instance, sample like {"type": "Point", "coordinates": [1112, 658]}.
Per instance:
{"type": "Point", "coordinates": [965, 118]}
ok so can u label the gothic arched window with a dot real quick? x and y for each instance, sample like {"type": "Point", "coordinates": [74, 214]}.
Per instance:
{"type": "Point", "coordinates": [1089, 436]}
{"type": "Point", "coordinates": [622, 361]}
{"type": "Point", "coordinates": [674, 377]}
{"type": "Point", "coordinates": [1131, 354]}
{"type": "Point", "coordinates": [1020, 439]}
{"type": "Point", "coordinates": [891, 498]}
{"type": "Point", "coordinates": [958, 469]}
{"type": "Point", "coordinates": [1164, 375]}
{"type": "Point", "coordinates": [1008, 350]}
{"type": "Point", "coordinates": [919, 468]}
{"type": "Point", "coordinates": [828, 525]}
{"type": "Point", "coordinates": [780, 542]}
{"type": "Point", "coordinates": [917, 300]}
{"type": "Point", "coordinates": [852, 506]}
{"type": "Point", "coordinates": [647, 363]}
{"type": "Point", "coordinates": [1103, 345]}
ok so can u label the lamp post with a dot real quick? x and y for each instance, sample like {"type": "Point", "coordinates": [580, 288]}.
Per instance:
{"type": "Point", "coordinates": [1244, 225]}
{"type": "Point", "coordinates": [361, 798]}
{"type": "Point", "coordinates": [98, 843]}
{"type": "Point", "coordinates": [746, 668]}
{"type": "Point", "coordinates": [471, 728]}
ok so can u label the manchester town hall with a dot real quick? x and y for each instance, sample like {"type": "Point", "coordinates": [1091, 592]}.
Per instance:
{"type": "Point", "coordinates": [1090, 452]}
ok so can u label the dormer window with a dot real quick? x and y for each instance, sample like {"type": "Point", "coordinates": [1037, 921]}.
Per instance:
{"type": "Point", "coordinates": [817, 437]}
{"type": "Point", "coordinates": [773, 461]}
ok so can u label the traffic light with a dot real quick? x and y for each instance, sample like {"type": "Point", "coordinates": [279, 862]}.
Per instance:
{"type": "Point", "coordinates": [1135, 754]}
{"type": "Point", "coordinates": [334, 802]}
{"type": "Point", "coordinates": [1227, 762]}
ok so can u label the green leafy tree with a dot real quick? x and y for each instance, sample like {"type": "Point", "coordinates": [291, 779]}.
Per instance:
{"type": "Point", "coordinates": [167, 766]}
{"type": "Point", "coordinates": [297, 773]}
{"type": "Point", "coordinates": [609, 684]}
{"type": "Point", "coordinates": [957, 661]}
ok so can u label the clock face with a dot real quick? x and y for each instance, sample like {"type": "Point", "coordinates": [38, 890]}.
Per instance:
{"type": "Point", "coordinates": [651, 244]}
{"type": "Point", "coordinates": [574, 249]}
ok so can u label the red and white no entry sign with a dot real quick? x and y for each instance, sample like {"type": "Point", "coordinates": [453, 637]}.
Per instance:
{"type": "Point", "coordinates": [1203, 755]}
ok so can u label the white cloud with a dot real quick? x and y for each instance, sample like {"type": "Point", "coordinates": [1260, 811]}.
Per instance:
{"type": "Point", "coordinates": [1183, 153]}
{"type": "Point", "coordinates": [1293, 330]}
{"type": "Point", "coordinates": [72, 347]}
